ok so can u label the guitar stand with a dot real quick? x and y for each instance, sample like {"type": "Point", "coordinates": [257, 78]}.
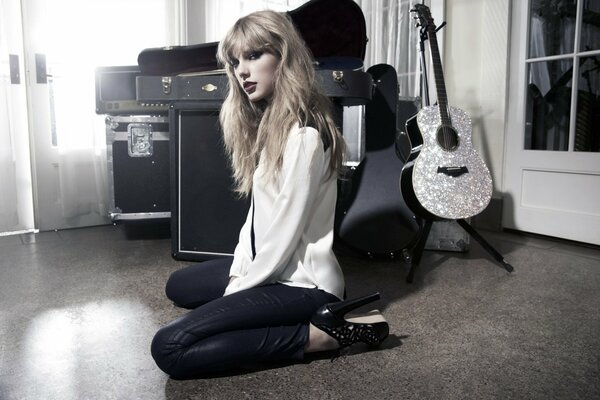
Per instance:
{"type": "Point", "coordinates": [416, 251]}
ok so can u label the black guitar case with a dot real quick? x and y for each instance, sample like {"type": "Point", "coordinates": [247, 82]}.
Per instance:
{"type": "Point", "coordinates": [330, 28]}
{"type": "Point", "coordinates": [372, 218]}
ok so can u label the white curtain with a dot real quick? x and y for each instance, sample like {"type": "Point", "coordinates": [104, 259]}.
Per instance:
{"type": "Point", "coordinates": [221, 15]}
{"type": "Point", "coordinates": [393, 40]}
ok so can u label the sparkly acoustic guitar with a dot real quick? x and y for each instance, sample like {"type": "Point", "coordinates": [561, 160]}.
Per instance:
{"type": "Point", "coordinates": [447, 179]}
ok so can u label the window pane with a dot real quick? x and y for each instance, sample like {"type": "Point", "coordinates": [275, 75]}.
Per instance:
{"type": "Point", "coordinates": [587, 134]}
{"type": "Point", "coordinates": [590, 28]}
{"type": "Point", "coordinates": [551, 27]}
{"type": "Point", "coordinates": [548, 105]}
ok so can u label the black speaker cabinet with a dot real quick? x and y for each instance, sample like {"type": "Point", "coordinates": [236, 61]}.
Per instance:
{"type": "Point", "coordinates": [206, 215]}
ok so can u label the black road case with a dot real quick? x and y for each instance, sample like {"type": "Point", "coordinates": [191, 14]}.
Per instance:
{"type": "Point", "coordinates": [138, 167]}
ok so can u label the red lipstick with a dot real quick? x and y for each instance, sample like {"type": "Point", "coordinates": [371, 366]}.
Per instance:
{"type": "Point", "coordinates": [249, 86]}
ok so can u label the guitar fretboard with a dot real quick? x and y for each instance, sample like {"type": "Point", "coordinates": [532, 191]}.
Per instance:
{"type": "Point", "coordinates": [438, 73]}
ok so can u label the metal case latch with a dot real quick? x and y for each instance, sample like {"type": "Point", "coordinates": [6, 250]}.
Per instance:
{"type": "Point", "coordinates": [139, 140]}
{"type": "Point", "coordinates": [166, 84]}
{"type": "Point", "coordinates": [338, 76]}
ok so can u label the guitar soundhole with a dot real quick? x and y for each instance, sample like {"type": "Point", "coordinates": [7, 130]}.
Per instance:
{"type": "Point", "coordinates": [447, 137]}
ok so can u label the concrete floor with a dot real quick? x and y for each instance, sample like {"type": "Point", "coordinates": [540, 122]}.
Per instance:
{"type": "Point", "coordinates": [80, 307]}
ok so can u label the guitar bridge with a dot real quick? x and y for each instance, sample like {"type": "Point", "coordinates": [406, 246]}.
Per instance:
{"type": "Point", "coordinates": [453, 171]}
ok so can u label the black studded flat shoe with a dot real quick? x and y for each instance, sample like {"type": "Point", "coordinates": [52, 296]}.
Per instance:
{"type": "Point", "coordinates": [369, 328]}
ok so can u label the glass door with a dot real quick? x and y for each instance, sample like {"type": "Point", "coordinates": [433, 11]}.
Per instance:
{"type": "Point", "coordinates": [552, 163]}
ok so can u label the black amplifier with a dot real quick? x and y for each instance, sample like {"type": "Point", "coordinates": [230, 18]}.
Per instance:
{"type": "Point", "coordinates": [206, 215]}
{"type": "Point", "coordinates": [116, 93]}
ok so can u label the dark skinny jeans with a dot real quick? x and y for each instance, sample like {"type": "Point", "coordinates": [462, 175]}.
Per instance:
{"type": "Point", "coordinates": [261, 324]}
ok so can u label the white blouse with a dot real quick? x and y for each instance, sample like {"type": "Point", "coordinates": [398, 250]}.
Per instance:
{"type": "Point", "coordinates": [293, 222]}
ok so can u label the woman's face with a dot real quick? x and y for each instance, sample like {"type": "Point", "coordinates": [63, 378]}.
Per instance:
{"type": "Point", "coordinates": [255, 71]}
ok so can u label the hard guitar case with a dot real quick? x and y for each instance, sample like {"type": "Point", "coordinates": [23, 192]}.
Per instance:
{"type": "Point", "coordinates": [330, 28]}
{"type": "Point", "coordinates": [372, 218]}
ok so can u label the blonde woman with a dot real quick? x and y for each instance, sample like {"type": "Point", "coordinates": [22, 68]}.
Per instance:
{"type": "Point", "coordinates": [281, 295]}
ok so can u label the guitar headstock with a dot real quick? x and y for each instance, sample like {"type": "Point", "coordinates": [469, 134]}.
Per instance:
{"type": "Point", "coordinates": [424, 16]}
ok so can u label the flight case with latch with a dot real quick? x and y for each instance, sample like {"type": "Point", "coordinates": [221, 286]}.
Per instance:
{"type": "Point", "coordinates": [138, 167]}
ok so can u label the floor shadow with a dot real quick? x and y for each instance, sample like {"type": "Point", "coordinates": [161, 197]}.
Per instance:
{"type": "Point", "coordinates": [364, 276]}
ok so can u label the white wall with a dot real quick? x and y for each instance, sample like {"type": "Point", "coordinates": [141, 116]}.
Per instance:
{"type": "Point", "coordinates": [476, 73]}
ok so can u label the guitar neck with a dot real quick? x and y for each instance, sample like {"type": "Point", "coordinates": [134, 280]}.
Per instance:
{"type": "Point", "coordinates": [438, 73]}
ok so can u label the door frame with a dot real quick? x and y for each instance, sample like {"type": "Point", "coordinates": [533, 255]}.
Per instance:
{"type": "Point", "coordinates": [17, 118]}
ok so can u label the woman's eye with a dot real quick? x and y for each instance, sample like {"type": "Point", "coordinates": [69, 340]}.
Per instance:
{"type": "Point", "coordinates": [234, 63]}
{"type": "Point", "coordinates": [255, 55]}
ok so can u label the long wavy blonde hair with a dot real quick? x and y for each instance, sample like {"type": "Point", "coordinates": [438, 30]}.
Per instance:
{"type": "Point", "coordinates": [251, 128]}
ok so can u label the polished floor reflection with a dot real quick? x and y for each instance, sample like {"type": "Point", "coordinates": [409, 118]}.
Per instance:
{"type": "Point", "coordinates": [64, 350]}
{"type": "Point", "coordinates": [75, 321]}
